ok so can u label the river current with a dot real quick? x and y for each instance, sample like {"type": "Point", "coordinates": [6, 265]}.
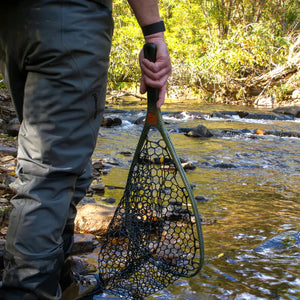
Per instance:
{"type": "Point", "coordinates": [252, 184]}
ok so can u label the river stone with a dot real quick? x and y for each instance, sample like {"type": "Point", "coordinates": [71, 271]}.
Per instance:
{"type": "Point", "coordinates": [283, 241]}
{"type": "Point", "coordinates": [225, 166]}
{"type": "Point", "coordinates": [99, 187]}
{"type": "Point", "coordinates": [86, 200]}
{"type": "Point", "coordinates": [201, 199]}
{"type": "Point", "coordinates": [140, 120]}
{"type": "Point", "coordinates": [241, 114]}
{"type": "Point", "coordinates": [117, 122]}
{"type": "Point", "coordinates": [6, 150]}
{"type": "Point", "coordinates": [199, 131]}
{"type": "Point", "coordinates": [109, 200]}
{"type": "Point", "coordinates": [13, 127]}
{"type": "Point", "coordinates": [296, 95]}
{"type": "Point", "coordinates": [188, 165]}
{"type": "Point", "coordinates": [266, 101]}
{"type": "Point", "coordinates": [289, 110]}
{"type": "Point", "coordinates": [98, 165]}
{"type": "Point", "coordinates": [107, 122]}
{"type": "Point", "coordinates": [84, 242]}
{"type": "Point", "coordinates": [260, 116]}
{"type": "Point", "coordinates": [93, 218]}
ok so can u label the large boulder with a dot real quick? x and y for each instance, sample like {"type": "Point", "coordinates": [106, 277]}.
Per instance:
{"type": "Point", "coordinates": [93, 218]}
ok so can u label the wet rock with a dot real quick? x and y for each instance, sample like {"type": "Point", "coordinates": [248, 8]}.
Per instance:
{"type": "Point", "coordinates": [79, 266]}
{"type": "Point", "coordinates": [109, 122]}
{"type": "Point", "coordinates": [241, 114]}
{"type": "Point", "coordinates": [234, 132]}
{"type": "Point", "coordinates": [282, 133]}
{"type": "Point", "coordinates": [93, 218]}
{"type": "Point", "coordinates": [140, 120]}
{"type": "Point", "coordinates": [87, 200]}
{"type": "Point", "coordinates": [110, 162]}
{"type": "Point", "coordinates": [126, 153]}
{"type": "Point", "coordinates": [200, 131]}
{"type": "Point", "coordinates": [201, 199]}
{"type": "Point", "coordinates": [84, 242]}
{"type": "Point", "coordinates": [280, 242]}
{"type": "Point", "coordinates": [13, 127]}
{"type": "Point", "coordinates": [117, 122]}
{"type": "Point", "coordinates": [219, 115]}
{"type": "Point", "coordinates": [189, 115]}
{"type": "Point", "coordinates": [109, 200]}
{"type": "Point", "coordinates": [98, 165]}
{"type": "Point", "coordinates": [99, 187]}
{"type": "Point", "coordinates": [5, 150]}
{"type": "Point", "coordinates": [259, 116]}
{"type": "Point", "coordinates": [188, 165]}
{"type": "Point", "coordinates": [288, 110]}
{"type": "Point", "coordinates": [225, 166]}
{"type": "Point", "coordinates": [184, 130]}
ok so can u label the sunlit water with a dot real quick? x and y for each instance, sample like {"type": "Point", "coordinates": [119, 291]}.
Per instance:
{"type": "Point", "coordinates": [252, 202]}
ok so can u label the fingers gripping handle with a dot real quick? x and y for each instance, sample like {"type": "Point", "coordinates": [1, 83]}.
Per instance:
{"type": "Point", "coordinates": [150, 51]}
{"type": "Point", "coordinates": [150, 54]}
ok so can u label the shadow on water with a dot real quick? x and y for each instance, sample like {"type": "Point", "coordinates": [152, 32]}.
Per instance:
{"type": "Point", "coordinates": [253, 187]}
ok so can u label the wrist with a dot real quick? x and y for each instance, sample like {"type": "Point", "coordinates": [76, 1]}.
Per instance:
{"type": "Point", "coordinates": [153, 37]}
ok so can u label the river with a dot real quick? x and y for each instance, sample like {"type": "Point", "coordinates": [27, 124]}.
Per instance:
{"type": "Point", "coordinates": [253, 196]}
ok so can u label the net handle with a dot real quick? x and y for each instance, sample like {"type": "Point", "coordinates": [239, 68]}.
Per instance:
{"type": "Point", "coordinates": [150, 51]}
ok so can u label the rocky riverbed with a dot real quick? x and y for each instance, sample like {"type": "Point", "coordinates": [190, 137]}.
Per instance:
{"type": "Point", "coordinates": [243, 165]}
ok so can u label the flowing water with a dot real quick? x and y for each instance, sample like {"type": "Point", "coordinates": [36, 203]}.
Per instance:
{"type": "Point", "coordinates": [252, 183]}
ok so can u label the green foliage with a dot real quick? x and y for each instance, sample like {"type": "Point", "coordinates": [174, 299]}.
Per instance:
{"type": "Point", "coordinates": [209, 41]}
{"type": "Point", "coordinates": [127, 42]}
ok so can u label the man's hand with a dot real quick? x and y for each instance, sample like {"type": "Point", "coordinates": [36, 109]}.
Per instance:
{"type": "Point", "coordinates": [156, 74]}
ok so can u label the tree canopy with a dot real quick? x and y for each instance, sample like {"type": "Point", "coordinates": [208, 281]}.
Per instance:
{"type": "Point", "coordinates": [213, 44]}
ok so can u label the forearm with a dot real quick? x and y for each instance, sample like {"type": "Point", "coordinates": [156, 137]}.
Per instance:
{"type": "Point", "coordinates": [146, 11]}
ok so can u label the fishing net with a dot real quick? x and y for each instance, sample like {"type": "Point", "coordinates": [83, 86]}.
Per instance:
{"type": "Point", "coordinates": [153, 238]}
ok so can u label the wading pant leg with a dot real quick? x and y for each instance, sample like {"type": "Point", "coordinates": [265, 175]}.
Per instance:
{"type": "Point", "coordinates": [54, 56]}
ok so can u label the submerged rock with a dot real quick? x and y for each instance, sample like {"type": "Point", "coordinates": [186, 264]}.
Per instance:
{"type": "Point", "coordinates": [84, 242]}
{"type": "Point", "coordinates": [280, 242]}
{"type": "Point", "coordinates": [225, 166]}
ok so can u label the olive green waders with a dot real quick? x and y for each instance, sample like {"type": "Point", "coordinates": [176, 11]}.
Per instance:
{"type": "Point", "coordinates": [54, 58]}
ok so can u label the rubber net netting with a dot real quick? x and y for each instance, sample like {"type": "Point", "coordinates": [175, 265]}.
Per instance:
{"type": "Point", "coordinates": [152, 239]}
